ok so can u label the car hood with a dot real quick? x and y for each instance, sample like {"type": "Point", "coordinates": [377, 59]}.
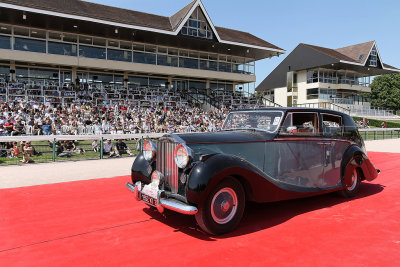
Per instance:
{"type": "Point", "coordinates": [226, 137]}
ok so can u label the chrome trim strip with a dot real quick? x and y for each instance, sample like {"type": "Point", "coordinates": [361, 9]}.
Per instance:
{"type": "Point", "coordinates": [168, 203]}
{"type": "Point", "coordinates": [178, 206]}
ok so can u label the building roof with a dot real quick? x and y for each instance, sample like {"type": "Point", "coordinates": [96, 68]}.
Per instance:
{"type": "Point", "coordinates": [358, 52]}
{"type": "Point", "coordinates": [306, 56]}
{"type": "Point", "coordinates": [108, 14]}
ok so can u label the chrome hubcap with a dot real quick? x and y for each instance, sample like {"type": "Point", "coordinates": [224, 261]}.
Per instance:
{"type": "Point", "coordinates": [224, 205]}
{"type": "Point", "coordinates": [353, 181]}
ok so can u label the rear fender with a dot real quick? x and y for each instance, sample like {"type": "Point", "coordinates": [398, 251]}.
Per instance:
{"type": "Point", "coordinates": [354, 157]}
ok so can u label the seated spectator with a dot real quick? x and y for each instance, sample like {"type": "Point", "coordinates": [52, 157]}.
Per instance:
{"type": "Point", "coordinates": [18, 128]}
{"type": "Point", "coordinates": [95, 146]}
{"type": "Point", "coordinates": [8, 127]}
{"type": "Point", "coordinates": [46, 127]}
{"type": "Point", "coordinates": [62, 151]}
{"type": "Point", "coordinates": [109, 149]}
{"type": "Point", "coordinates": [15, 150]}
{"type": "Point", "coordinates": [122, 148]}
{"type": "Point", "coordinates": [27, 152]}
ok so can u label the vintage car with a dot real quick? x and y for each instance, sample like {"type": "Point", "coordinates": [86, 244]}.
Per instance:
{"type": "Point", "coordinates": [261, 155]}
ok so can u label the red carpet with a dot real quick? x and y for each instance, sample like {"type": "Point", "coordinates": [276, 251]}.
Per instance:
{"type": "Point", "coordinates": [97, 223]}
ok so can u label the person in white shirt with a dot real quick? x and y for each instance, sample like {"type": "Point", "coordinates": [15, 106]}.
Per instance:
{"type": "Point", "coordinates": [109, 148]}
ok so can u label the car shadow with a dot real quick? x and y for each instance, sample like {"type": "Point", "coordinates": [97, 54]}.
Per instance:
{"type": "Point", "coordinates": [258, 217]}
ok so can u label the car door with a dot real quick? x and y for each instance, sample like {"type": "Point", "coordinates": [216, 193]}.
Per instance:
{"type": "Point", "coordinates": [300, 153]}
{"type": "Point", "coordinates": [334, 145]}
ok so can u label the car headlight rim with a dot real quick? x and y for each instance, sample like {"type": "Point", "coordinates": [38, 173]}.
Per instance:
{"type": "Point", "coordinates": [182, 156]}
{"type": "Point", "coordinates": [149, 150]}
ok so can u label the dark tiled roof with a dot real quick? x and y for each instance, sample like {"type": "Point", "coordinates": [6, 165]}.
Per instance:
{"type": "Point", "coordinates": [134, 18]}
{"type": "Point", "coordinates": [97, 11]}
{"type": "Point", "coordinates": [355, 51]}
{"type": "Point", "coordinates": [243, 37]}
{"type": "Point", "coordinates": [180, 15]}
{"type": "Point", "coordinates": [332, 53]}
{"type": "Point", "coordinates": [390, 67]}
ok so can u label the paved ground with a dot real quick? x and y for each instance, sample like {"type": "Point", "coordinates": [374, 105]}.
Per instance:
{"type": "Point", "coordinates": [96, 222]}
{"type": "Point", "coordinates": [48, 173]}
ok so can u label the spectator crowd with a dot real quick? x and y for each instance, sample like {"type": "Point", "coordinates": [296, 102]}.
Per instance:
{"type": "Point", "coordinates": [21, 117]}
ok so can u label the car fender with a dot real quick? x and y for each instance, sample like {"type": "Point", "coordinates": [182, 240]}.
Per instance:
{"type": "Point", "coordinates": [141, 169]}
{"type": "Point", "coordinates": [355, 157]}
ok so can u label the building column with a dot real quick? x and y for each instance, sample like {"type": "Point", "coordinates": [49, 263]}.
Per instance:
{"type": "Point", "coordinates": [170, 83]}
{"type": "Point", "coordinates": [12, 76]}
{"type": "Point", "coordinates": [73, 76]}
{"type": "Point", "coordinates": [126, 77]}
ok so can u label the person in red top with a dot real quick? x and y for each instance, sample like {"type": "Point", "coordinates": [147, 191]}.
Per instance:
{"type": "Point", "coordinates": [8, 127]}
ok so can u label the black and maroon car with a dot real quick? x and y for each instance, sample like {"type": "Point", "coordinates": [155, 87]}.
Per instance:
{"type": "Point", "coordinates": [262, 155]}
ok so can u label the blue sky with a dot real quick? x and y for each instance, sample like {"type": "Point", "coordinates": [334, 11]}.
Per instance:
{"type": "Point", "coordinates": [286, 23]}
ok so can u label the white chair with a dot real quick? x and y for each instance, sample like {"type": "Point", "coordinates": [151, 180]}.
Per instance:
{"type": "Point", "coordinates": [64, 129]}
{"type": "Point", "coordinates": [81, 130]}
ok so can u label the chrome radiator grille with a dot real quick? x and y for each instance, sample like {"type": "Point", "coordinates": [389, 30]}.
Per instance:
{"type": "Point", "coordinates": [166, 163]}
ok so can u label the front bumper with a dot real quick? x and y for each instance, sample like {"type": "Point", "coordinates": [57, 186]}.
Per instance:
{"type": "Point", "coordinates": [167, 203]}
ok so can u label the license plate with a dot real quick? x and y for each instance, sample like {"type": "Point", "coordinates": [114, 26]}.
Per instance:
{"type": "Point", "coordinates": [148, 199]}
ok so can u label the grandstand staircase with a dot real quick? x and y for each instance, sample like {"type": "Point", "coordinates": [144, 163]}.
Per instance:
{"type": "Point", "coordinates": [201, 99]}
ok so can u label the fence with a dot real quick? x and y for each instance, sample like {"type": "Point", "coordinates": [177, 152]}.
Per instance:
{"type": "Point", "coordinates": [47, 148]}
{"type": "Point", "coordinates": [379, 133]}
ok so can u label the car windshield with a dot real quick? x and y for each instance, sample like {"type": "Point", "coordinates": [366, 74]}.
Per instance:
{"type": "Point", "coordinates": [267, 120]}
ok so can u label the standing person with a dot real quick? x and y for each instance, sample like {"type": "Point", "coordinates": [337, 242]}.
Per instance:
{"type": "Point", "coordinates": [383, 124]}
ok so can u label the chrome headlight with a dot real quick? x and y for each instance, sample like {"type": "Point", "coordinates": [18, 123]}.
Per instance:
{"type": "Point", "coordinates": [182, 156]}
{"type": "Point", "coordinates": [149, 150]}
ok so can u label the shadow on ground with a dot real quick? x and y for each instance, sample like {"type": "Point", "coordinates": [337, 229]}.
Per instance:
{"type": "Point", "coordinates": [259, 217]}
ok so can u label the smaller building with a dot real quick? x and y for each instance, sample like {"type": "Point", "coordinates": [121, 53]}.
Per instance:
{"type": "Point", "coordinates": [313, 76]}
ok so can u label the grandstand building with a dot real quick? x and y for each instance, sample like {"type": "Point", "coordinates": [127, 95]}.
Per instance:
{"type": "Point", "coordinates": [57, 50]}
{"type": "Point", "coordinates": [316, 76]}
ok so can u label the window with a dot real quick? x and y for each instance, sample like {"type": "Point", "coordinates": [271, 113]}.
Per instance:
{"type": "Point", "coordinates": [92, 52]}
{"type": "Point", "coordinates": [312, 93]}
{"type": "Point", "coordinates": [197, 26]}
{"type": "Point", "coordinates": [5, 42]}
{"type": "Point", "coordinates": [119, 55]}
{"type": "Point", "coordinates": [301, 123]}
{"type": "Point", "coordinates": [30, 45]}
{"type": "Point", "coordinates": [62, 49]}
{"type": "Point", "coordinates": [373, 58]}
{"type": "Point", "coordinates": [332, 125]}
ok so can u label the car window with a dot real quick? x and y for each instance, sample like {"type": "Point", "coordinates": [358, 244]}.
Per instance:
{"type": "Point", "coordinates": [332, 125]}
{"type": "Point", "coordinates": [268, 120]}
{"type": "Point", "coordinates": [300, 123]}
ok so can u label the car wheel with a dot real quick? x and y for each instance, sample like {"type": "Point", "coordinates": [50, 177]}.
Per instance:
{"type": "Point", "coordinates": [352, 190]}
{"type": "Point", "coordinates": [223, 208]}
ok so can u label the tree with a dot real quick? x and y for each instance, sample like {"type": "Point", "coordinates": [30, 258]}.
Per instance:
{"type": "Point", "coordinates": [385, 91]}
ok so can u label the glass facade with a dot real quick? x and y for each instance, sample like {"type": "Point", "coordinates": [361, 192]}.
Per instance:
{"type": "Point", "coordinates": [336, 77]}
{"type": "Point", "coordinates": [197, 26]}
{"type": "Point", "coordinates": [92, 52]}
{"type": "Point", "coordinates": [62, 49]}
{"type": "Point", "coordinates": [30, 45]}
{"type": "Point", "coordinates": [57, 43]}
{"type": "Point", "coordinates": [119, 55]}
{"type": "Point", "coordinates": [5, 42]}
{"type": "Point", "coordinates": [373, 58]}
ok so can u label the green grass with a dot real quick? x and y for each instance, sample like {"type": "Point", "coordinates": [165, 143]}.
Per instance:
{"type": "Point", "coordinates": [47, 153]}
{"type": "Point", "coordinates": [378, 123]}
